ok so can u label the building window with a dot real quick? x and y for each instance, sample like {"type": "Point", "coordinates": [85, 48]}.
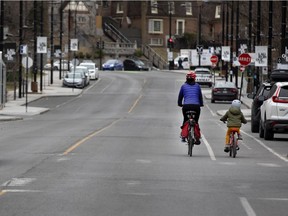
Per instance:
{"type": "Point", "coordinates": [218, 11]}
{"type": "Point", "coordinates": [154, 7]}
{"type": "Point", "coordinates": [105, 3]}
{"type": "Point", "coordinates": [155, 26]}
{"type": "Point", "coordinates": [119, 8]}
{"type": "Point", "coordinates": [81, 19]}
{"type": "Point", "coordinates": [180, 25]}
{"type": "Point", "coordinates": [156, 42]}
{"type": "Point", "coordinates": [188, 6]}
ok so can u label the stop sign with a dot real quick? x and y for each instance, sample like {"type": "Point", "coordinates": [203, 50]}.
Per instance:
{"type": "Point", "coordinates": [244, 59]}
{"type": "Point", "coordinates": [214, 59]}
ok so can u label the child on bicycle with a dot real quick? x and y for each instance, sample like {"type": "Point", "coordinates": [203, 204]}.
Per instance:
{"type": "Point", "coordinates": [234, 118]}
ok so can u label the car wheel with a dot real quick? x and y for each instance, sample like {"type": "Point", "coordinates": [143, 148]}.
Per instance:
{"type": "Point", "coordinates": [55, 68]}
{"type": "Point", "coordinates": [212, 101]}
{"type": "Point", "coordinates": [268, 133]}
{"type": "Point", "coordinates": [261, 130]}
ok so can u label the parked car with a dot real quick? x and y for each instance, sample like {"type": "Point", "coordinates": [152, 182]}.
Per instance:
{"type": "Point", "coordinates": [64, 63]}
{"type": "Point", "coordinates": [113, 64]}
{"type": "Point", "coordinates": [263, 91]}
{"type": "Point", "coordinates": [185, 62]}
{"type": "Point", "coordinates": [83, 70]}
{"type": "Point", "coordinates": [203, 76]}
{"type": "Point", "coordinates": [76, 80]}
{"type": "Point", "coordinates": [274, 111]}
{"type": "Point", "coordinates": [135, 65]}
{"type": "Point", "coordinates": [224, 91]}
{"type": "Point", "coordinates": [93, 70]}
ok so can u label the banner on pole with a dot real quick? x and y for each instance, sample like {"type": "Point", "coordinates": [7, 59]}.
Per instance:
{"type": "Point", "coordinates": [74, 44]}
{"type": "Point", "coordinates": [225, 56]}
{"type": "Point", "coordinates": [261, 56]}
{"type": "Point", "coordinates": [41, 44]}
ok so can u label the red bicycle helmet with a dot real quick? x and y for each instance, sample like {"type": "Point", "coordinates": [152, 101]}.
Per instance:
{"type": "Point", "coordinates": [191, 75]}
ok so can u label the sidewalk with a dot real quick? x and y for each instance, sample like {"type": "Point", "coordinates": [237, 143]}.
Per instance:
{"type": "Point", "coordinates": [19, 108]}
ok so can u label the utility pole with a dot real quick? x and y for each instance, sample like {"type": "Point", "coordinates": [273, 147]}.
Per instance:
{"type": "Point", "coordinates": [51, 42]}
{"type": "Point", "coordinates": [270, 37]}
{"type": "Point", "coordinates": [20, 43]}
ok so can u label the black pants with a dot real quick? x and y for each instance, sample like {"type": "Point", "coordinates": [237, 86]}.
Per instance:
{"type": "Point", "coordinates": [191, 107]}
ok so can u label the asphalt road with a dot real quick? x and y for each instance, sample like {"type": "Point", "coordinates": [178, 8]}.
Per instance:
{"type": "Point", "coordinates": [115, 150]}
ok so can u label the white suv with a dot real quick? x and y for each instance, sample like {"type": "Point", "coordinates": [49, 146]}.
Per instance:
{"type": "Point", "coordinates": [93, 70]}
{"type": "Point", "coordinates": [203, 76]}
{"type": "Point", "coordinates": [274, 112]}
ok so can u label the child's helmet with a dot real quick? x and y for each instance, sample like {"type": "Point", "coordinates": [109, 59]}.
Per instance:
{"type": "Point", "coordinates": [236, 103]}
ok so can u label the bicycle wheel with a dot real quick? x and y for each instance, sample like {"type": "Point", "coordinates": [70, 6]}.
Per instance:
{"type": "Point", "coordinates": [234, 148]}
{"type": "Point", "coordinates": [190, 141]}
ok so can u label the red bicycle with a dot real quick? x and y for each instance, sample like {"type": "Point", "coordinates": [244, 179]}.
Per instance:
{"type": "Point", "coordinates": [233, 141]}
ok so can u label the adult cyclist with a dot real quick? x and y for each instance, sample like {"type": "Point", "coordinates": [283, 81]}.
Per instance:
{"type": "Point", "coordinates": [190, 99]}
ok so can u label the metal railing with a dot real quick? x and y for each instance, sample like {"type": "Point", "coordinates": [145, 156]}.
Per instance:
{"type": "Point", "coordinates": [157, 60]}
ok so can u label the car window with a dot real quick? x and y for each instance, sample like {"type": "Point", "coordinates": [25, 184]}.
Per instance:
{"type": "Point", "coordinates": [89, 66]}
{"type": "Point", "coordinates": [272, 91]}
{"type": "Point", "coordinates": [283, 92]}
{"type": "Point", "coordinates": [203, 72]}
{"type": "Point", "coordinates": [266, 91]}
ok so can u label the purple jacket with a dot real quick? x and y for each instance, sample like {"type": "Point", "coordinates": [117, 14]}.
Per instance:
{"type": "Point", "coordinates": [191, 93]}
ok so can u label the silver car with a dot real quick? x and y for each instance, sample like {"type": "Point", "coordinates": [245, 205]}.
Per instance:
{"type": "Point", "coordinates": [83, 70]}
{"type": "Point", "coordinates": [76, 80]}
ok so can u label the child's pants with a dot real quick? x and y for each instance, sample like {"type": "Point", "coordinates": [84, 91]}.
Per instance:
{"type": "Point", "coordinates": [230, 130]}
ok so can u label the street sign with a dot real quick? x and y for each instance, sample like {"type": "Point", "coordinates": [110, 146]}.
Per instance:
{"type": "Point", "coordinates": [199, 49]}
{"type": "Point", "coordinates": [244, 59]}
{"type": "Point", "coordinates": [214, 59]}
{"type": "Point", "coordinates": [242, 68]}
{"type": "Point", "coordinates": [27, 62]}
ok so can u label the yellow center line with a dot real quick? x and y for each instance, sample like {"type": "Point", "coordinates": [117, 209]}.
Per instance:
{"type": "Point", "coordinates": [87, 138]}
{"type": "Point", "coordinates": [135, 103]}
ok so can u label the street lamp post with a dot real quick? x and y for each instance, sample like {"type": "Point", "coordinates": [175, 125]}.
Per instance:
{"type": "Point", "coordinates": [199, 30]}
{"type": "Point", "coordinates": [171, 62]}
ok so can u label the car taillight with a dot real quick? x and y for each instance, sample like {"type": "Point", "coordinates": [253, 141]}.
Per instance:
{"type": "Point", "coordinates": [276, 99]}
{"type": "Point", "coordinates": [233, 90]}
{"type": "Point", "coordinates": [215, 90]}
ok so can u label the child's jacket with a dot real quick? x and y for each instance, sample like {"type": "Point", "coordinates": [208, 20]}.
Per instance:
{"type": "Point", "coordinates": [234, 117]}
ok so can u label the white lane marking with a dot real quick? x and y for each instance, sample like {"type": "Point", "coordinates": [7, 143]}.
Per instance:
{"type": "Point", "coordinates": [269, 164]}
{"type": "Point", "coordinates": [266, 147]}
{"type": "Point", "coordinates": [228, 163]}
{"type": "Point", "coordinates": [133, 183]}
{"type": "Point", "coordinates": [18, 182]}
{"type": "Point", "coordinates": [208, 146]}
{"type": "Point", "coordinates": [143, 161]}
{"type": "Point", "coordinates": [275, 199]}
{"type": "Point", "coordinates": [211, 111]}
{"type": "Point", "coordinates": [249, 210]}
{"type": "Point", "coordinates": [137, 194]}
{"type": "Point", "coordinates": [21, 191]}
{"type": "Point", "coordinates": [63, 159]}
{"type": "Point", "coordinates": [107, 86]}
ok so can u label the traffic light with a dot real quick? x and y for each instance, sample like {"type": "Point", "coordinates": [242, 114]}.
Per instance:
{"type": "Point", "coordinates": [98, 45]}
{"type": "Point", "coordinates": [170, 43]}
{"type": "Point", "coordinates": [23, 49]}
{"type": "Point", "coordinates": [102, 45]}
